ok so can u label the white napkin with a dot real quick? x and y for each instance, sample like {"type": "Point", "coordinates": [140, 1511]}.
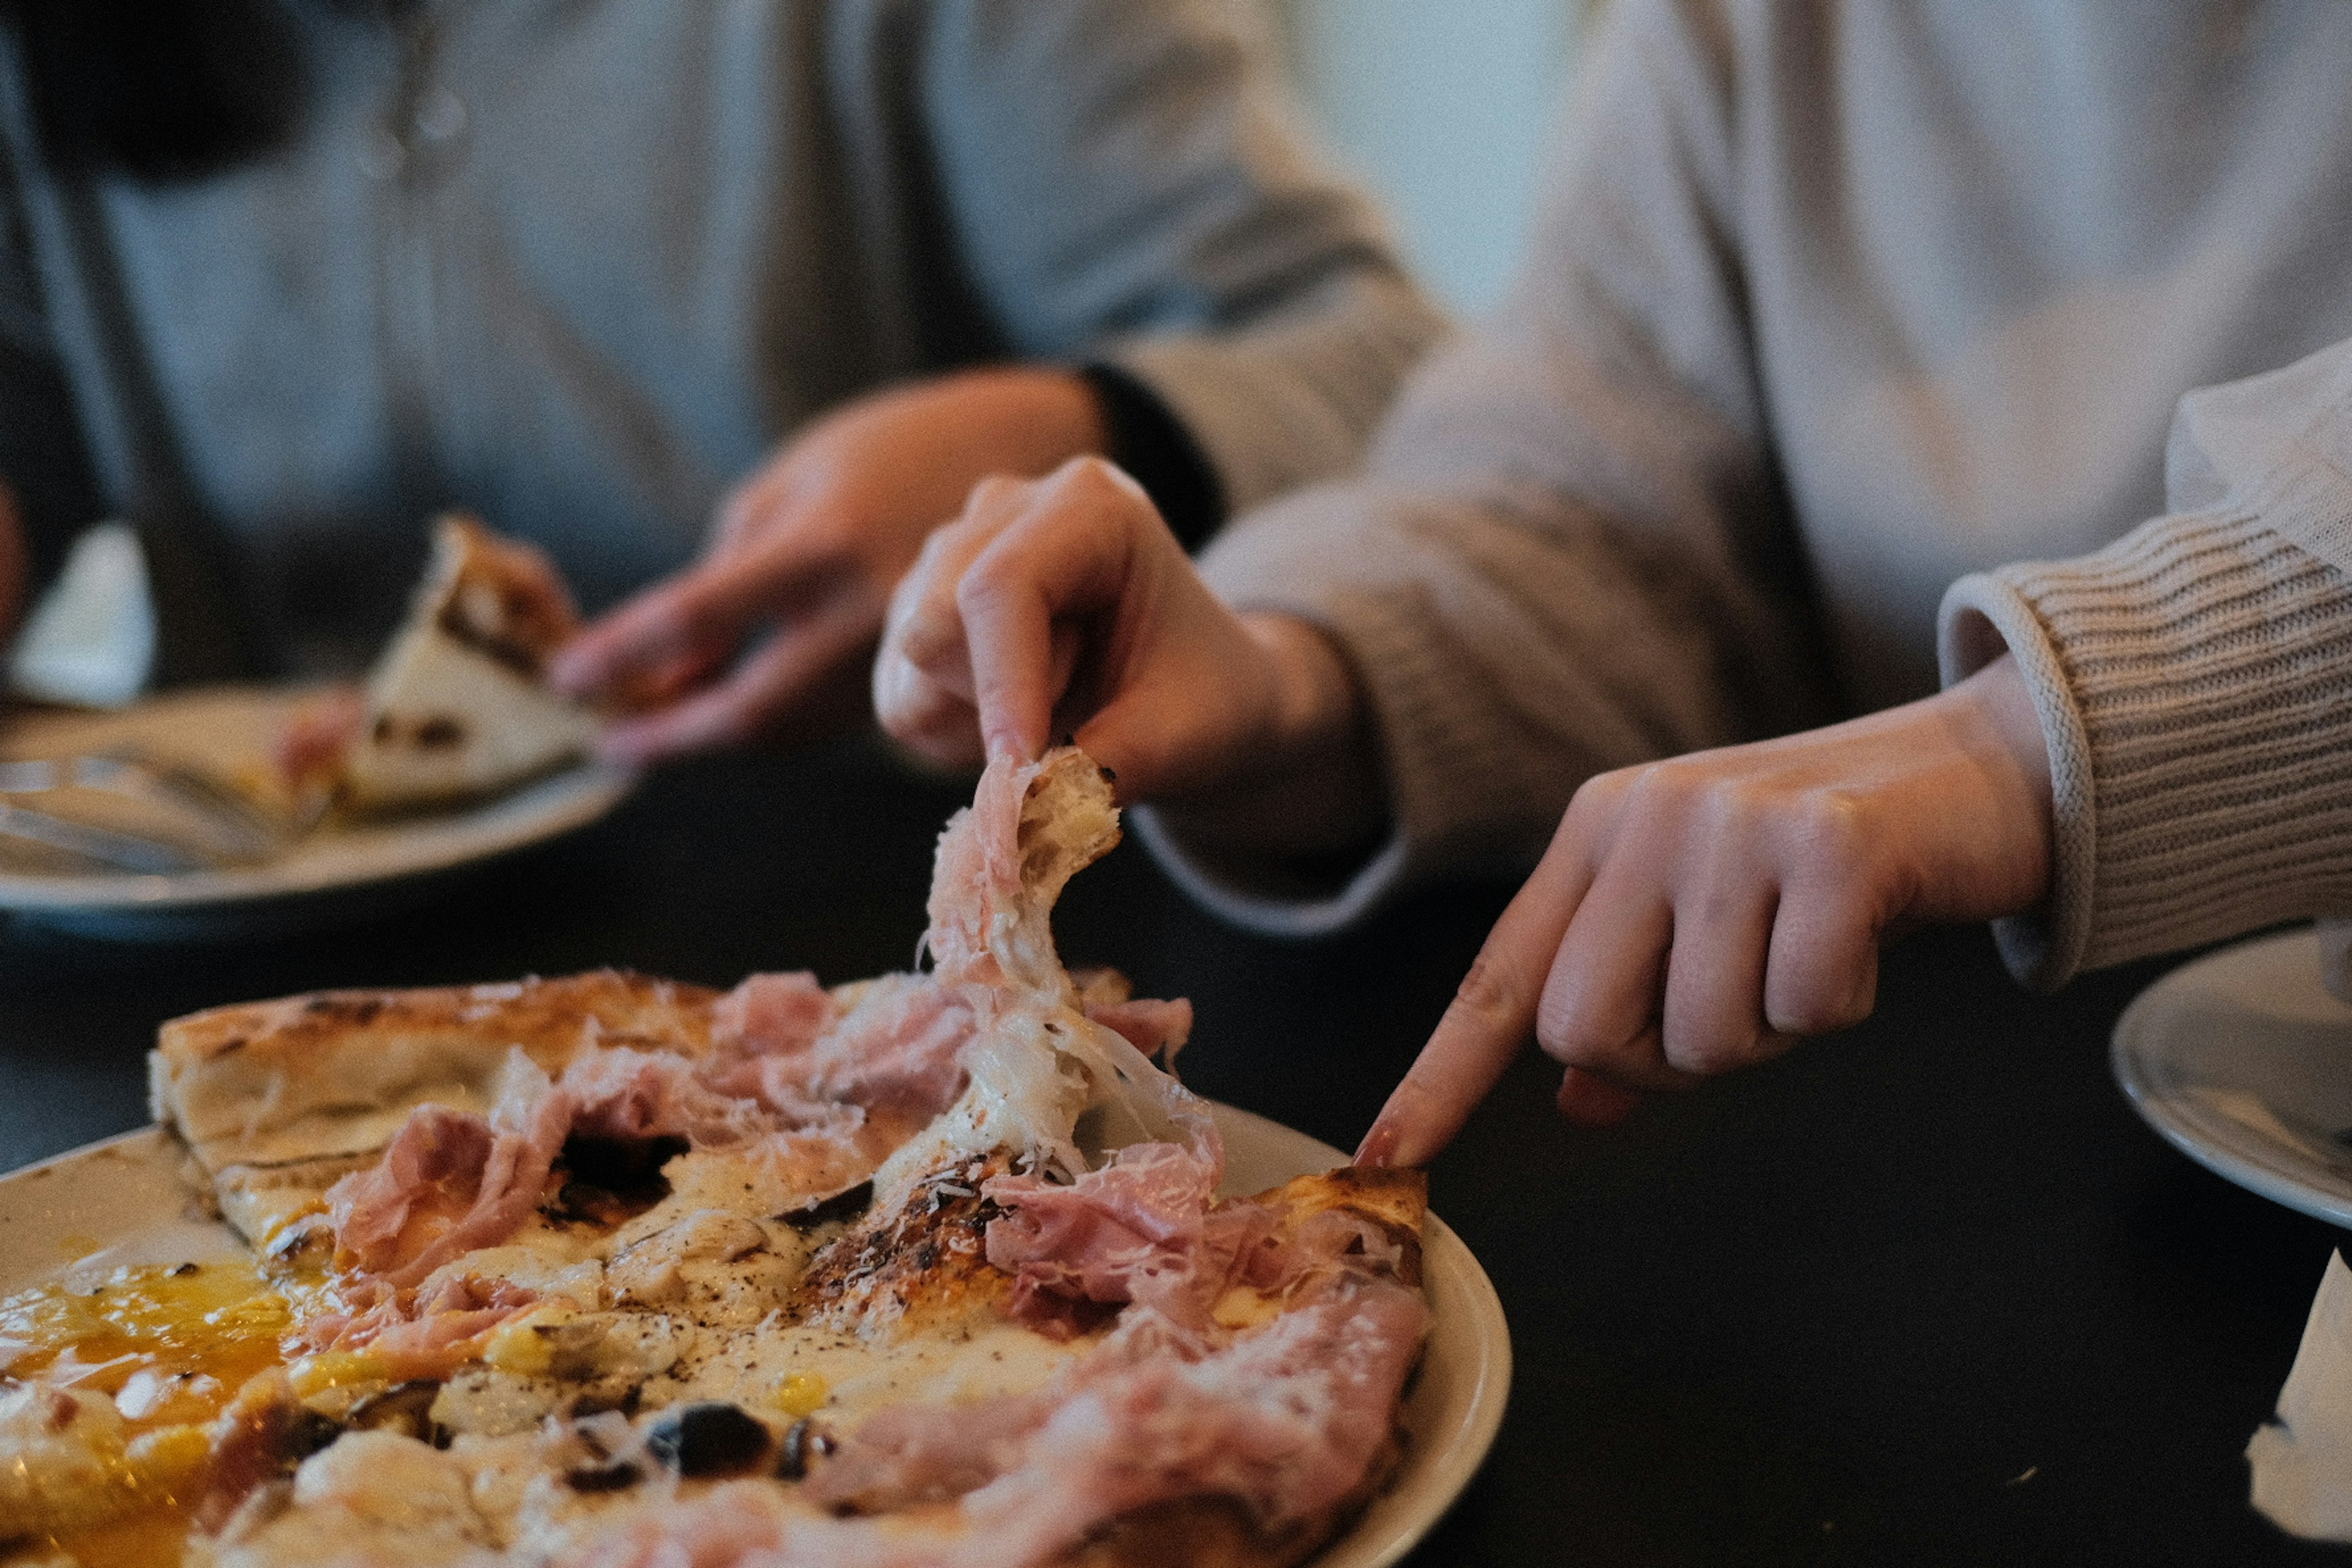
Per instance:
{"type": "Point", "coordinates": [90, 641]}
{"type": "Point", "coordinates": [2303, 1461]}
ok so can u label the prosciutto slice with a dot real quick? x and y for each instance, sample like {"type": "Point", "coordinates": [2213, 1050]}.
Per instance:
{"type": "Point", "coordinates": [450, 1181]}
{"type": "Point", "coordinates": [419, 1334]}
{"type": "Point", "coordinates": [1137, 1230]}
{"type": "Point", "coordinates": [1286, 1421]}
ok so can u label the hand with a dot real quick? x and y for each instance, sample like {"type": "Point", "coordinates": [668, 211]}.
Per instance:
{"type": "Point", "coordinates": [1701, 914]}
{"type": "Point", "coordinates": [1066, 604]}
{"type": "Point", "coordinates": [810, 547]}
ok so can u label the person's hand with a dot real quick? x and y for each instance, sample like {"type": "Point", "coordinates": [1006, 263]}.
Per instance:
{"type": "Point", "coordinates": [1701, 914]}
{"type": "Point", "coordinates": [807, 550]}
{"type": "Point", "coordinates": [1065, 604]}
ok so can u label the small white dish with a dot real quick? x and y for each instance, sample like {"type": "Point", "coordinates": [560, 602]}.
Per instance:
{"type": "Point", "coordinates": [339, 869]}
{"type": "Point", "coordinates": [2243, 1062]}
{"type": "Point", "coordinates": [126, 1201]}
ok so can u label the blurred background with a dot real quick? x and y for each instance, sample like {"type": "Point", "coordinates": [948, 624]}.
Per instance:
{"type": "Point", "coordinates": [1446, 107]}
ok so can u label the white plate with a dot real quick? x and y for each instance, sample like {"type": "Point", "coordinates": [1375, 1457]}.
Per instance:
{"type": "Point", "coordinates": [2243, 1061]}
{"type": "Point", "coordinates": [340, 868]}
{"type": "Point", "coordinates": [123, 1201]}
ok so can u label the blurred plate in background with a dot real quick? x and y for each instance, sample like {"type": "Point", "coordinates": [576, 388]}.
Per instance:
{"type": "Point", "coordinates": [337, 871]}
{"type": "Point", "coordinates": [2243, 1062]}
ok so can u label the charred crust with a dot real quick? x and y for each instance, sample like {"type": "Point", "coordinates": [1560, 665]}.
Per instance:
{"type": "Point", "coordinates": [458, 627]}
{"type": "Point", "coordinates": [342, 1007]}
{"type": "Point", "coordinates": [405, 1408]}
{"type": "Point", "coordinates": [1397, 1201]}
{"type": "Point", "coordinates": [543, 1015]}
{"type": "Point", "coordinates": [618, 1476]}
{"type": "Point", "coordinates": [929, 1251]}
{"type": "Point", "coordinates": [841, 1205]}
{"type": "Point", "coordinates": [611, 1394]}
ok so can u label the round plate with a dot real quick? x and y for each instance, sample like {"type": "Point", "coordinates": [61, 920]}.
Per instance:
{"type": "Point", "coordinates": [340, 869]}
{"type": "Point", "coordinates": [123, 1201]}
{"type": "Point", "coordinates": [2243, 1062]}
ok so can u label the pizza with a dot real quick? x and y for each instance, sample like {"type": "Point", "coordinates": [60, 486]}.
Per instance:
{"type": "Point", "coordinates": [613, 1271]}
{"type": "Point", "coordinates": [457, 705]}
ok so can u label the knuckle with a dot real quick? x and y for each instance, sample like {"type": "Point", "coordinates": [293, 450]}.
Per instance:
{"type": "Point", "coordinates": [997, 494]}
{"type": "Point", "coordinates": [1565, 1033]}
{"type": "Point", "coordinates": [1491, 994]}
{"type": "Point", "coordinates": [1597, 797]}
{"type": "Point", "coordinates": [993, 576]}
{"type": "Point", "coordinates": [1818, 1007]}
{"type": "Point", "coordinates": [1832, 830]}
{"type": "Point", "coordinates": [1709, 1053]}
{"type": "Point", "coordinates": [1096, 486]}
{"type": "Point", "coordinates": [928, 636]}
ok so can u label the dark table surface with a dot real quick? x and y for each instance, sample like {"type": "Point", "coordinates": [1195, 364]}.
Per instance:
{"type": "Point", "coordinates": [1927, 1293]}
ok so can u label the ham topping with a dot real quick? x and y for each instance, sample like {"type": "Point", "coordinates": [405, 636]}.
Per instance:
{"type": "Point", "coordinates": [418, 1334]}
{"type": "Point", "coordinates": [450, 1182]}
{"type": "Point", "coordinates": [1137, 1230]}
{"type": "Point", "coordinates": [792, 1079]}
{"type": "Point", "coordinates": [1286, 1421]}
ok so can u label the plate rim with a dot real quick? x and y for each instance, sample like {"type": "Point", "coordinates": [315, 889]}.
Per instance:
{"type": "Point", "coordinates": [2232, 1151]}
{"type": "Point", "coordinates": [559, 802]}
{"type": "Point", "coordinates": [1452, 1468]}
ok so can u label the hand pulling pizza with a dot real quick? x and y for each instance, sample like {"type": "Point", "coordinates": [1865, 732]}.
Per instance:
{"type": "Point", "coordinates": [613, 1271]}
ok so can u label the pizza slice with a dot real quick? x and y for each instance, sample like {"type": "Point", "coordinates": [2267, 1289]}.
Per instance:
{"type": "Point", "coordinates": [926, 1269]}
{"type": "Point", "coordinates": [457, 705]}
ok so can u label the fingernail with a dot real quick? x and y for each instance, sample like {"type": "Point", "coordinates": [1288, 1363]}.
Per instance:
{"type": "Point", "coordinates": [1379, 1146]}
{"type": "Point", "coordinates": [1005, 745]}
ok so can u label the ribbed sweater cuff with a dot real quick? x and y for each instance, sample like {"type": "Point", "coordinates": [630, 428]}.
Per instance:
{"type": "Point", "coordinates": [2194, 682]}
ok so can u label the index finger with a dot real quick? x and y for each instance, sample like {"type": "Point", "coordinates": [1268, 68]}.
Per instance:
{"type": "Point", "coordinates": [710, 605]}
{"type": "Point", "coordinates": [1492, 1015]}
{"type": "Point", "coordinates": [1067, 555]}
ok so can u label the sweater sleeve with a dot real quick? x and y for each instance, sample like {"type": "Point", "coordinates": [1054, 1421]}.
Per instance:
{"type": "Point", "coordinates": [1571, 549]}
{"type": "Point", "coordinates": [1128, 183]}
{"type": "Point", "coordinates": [2194, 682]}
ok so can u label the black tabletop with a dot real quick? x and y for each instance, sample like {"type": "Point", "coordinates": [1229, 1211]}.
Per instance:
{"type": "Point", "coordinates": [1924, 1293]}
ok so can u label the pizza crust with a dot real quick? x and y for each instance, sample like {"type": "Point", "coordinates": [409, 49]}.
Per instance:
{"type": "Point", "coordinates": [331, 1076]}
{"type": "Point", "coordinates": [459, 704]}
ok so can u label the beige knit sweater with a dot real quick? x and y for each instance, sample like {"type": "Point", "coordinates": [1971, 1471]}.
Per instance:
{"type": "Point", "coordinates": [1838, 306]}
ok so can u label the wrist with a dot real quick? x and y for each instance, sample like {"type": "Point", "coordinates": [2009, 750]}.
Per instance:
{"type": "Point", "coordinates": [1998, 725]}
{"type": "Point", "coordinates": [1313, 704]}
{"type": "Point", "coordinates": [1304, 777]}
{"type": "Point", "coordinates": [1051, 412]}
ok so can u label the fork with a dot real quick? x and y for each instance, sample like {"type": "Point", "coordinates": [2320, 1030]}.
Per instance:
{"type": "Point", "coordinates": [204, 824]}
